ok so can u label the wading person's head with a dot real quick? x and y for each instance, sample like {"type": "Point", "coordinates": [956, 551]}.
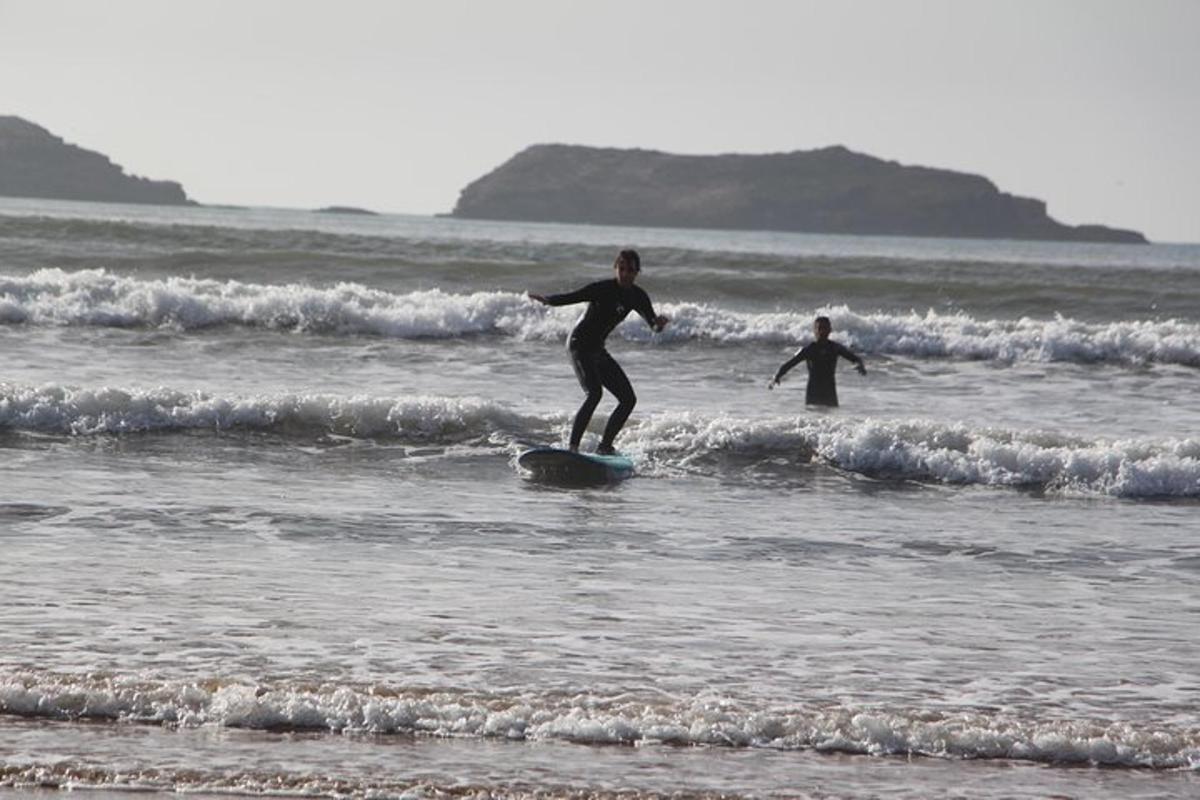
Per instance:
{"type": "Point", "coordinates": [822, 327]}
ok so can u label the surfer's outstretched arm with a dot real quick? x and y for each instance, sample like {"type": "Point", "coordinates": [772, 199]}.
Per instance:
{"type": "Point", "coordinates": [584, 295]}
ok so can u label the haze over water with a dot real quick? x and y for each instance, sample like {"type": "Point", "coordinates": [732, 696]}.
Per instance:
{"type": "Point", "coordinates": [263, 531]}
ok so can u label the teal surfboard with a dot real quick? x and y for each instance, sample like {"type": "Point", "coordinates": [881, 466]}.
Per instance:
{"type": "Point", "coordinates": [563, 466]}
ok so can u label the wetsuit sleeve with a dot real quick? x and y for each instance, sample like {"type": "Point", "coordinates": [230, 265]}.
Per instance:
{"type": "Point", "coordinates": [646, 308]}
{"type": "Point", "coordinates": [585, 295]}
{"type": "Point", "coordinates": [801, 355]}
{"type": "Point", "coordinates": [848, 354]}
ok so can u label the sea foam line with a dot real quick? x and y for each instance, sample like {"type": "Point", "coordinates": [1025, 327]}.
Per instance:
{"type": "Point", "coordinates": [100, 298]}
{"type": "Point", "coordinates": [591, 718]}
{"type": "Point", "coordinates": [277, 782]}
{"type": "Point", "coordinates": [69, 410]}
{"type": "Point", "coordinates": [926, 450]}
{"type": "Point", "coordinates": [908, 449]}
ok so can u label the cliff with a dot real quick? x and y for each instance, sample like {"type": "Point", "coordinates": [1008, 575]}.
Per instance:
{"type": "Point", "coordinates": [36, 163]}
{"type": "Point", "coordinates": [831, 190]}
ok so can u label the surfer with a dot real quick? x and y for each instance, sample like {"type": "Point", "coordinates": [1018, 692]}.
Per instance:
{"type": "Point", "coordinates": [822, 356]}
{"type": "Point", "coordinates": [609, 301]}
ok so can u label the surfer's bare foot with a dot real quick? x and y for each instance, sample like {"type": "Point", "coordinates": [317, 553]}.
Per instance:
{"type": "Point", "coordinates": [605, 450]}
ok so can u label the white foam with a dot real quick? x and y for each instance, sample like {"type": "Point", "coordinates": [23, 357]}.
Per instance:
{"type": "Point", "coordinates": [955, 335]}
{"type": "Point", "coordinates": [597, 719]}
{"type": "Point", "coordinates": [99, 298]}
{"type": "Point", "coordinates": [81, 411]}
{"type": "Point", "coordinates": [914, 449]}
{"type": "Point", "coordinates": [927, 450]}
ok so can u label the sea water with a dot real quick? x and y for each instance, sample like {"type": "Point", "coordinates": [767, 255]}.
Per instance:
{"type": "Point", "coordinates": [262, 531]}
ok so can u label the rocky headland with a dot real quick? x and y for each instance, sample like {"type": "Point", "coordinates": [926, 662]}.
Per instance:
{"type": "Point", "coordinates": [830, 190]}
{"type": "Point", "coordinates": [36, 163]}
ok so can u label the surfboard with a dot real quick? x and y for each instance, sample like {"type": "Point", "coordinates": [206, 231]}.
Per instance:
{"type": "Point", "coordinates": [563, 466]}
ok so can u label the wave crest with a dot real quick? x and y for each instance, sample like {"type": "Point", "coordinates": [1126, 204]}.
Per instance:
{"type": "Point", "coordinates": [102, 299]}
{"type": "Point", "coordinates": [663, 444]}
{"type": "Point", "coordinates": [923, 450]}
{"type": "Point", "coordinates": [99, 298]}
{"type": "Point", "coordinates": [72, 411]}
{"type": "Point", "coordinates": [591, 718]}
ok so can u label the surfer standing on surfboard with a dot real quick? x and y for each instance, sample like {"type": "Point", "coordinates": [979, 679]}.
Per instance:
{"type": "Point", "coordinates": [822, 356]}
{"type": "Point", "coordinates": [609, 302]}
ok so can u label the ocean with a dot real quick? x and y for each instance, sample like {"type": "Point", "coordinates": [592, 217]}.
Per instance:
{"type": "Point", "coordinates": [262, 531]}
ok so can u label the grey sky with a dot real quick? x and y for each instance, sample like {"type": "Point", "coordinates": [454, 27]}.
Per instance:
{"type": "Point", "coordinates": [1092, 106]}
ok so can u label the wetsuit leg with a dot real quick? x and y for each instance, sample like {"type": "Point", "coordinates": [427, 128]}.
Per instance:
{"type": "Point", "coordinates": [588, 372]}
{"type": "Point", "coordinates": [615, 380]}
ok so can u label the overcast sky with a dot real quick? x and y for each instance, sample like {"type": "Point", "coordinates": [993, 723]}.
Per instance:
{"type": "Point", "coordinates": [1090, 105]}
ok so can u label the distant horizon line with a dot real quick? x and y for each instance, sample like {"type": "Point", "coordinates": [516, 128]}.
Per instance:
{"type": "Point", "coordinates": [373, 212]}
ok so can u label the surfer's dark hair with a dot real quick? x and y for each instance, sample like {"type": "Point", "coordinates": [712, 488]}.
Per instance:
{"type": "Point", "coordinates": [630, 257]}
{"type": "Point", "coordinates": [823, 321]}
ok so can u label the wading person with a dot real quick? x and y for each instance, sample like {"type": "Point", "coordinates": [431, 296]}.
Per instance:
{"type": "Point", "coordinates": [822, 356]}
{"type": "Point", "coordinates": [609, 301]}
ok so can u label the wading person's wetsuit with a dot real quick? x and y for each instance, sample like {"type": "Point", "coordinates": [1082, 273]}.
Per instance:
{"type": "Point", "coordinates": [608, 304]}
{"type": "Point", "coordinates": [822, 356]}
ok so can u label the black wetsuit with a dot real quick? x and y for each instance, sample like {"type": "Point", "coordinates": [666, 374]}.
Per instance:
{"type": "Point", "coordinates": [608, 304]}
{"type": "Point", "coordinates": [822, 356]}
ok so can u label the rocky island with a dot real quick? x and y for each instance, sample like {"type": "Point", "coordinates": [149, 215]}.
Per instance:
{"type": "Point", "coordinates": [36, 163]}
{"type": "Point", "coordinates": [830, 190]}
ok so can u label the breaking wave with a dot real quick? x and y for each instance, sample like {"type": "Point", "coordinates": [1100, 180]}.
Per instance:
{"type": "Point", "coordinates": [915, 450]}
{"type": "Point", "coordinates": [924, 450]}
{"type": "Point", "coordinates": [103, 299]}
{"type": "Point", "coordinates": [73, 411]}
{"type": "Point", "coordinates": [591, 718]}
